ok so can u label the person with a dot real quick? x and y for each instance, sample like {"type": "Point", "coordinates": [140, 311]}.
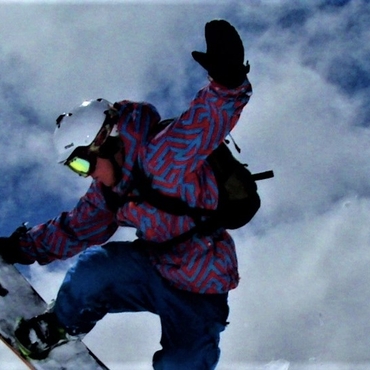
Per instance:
{"type": "Point", "coordinates": [186, 284]}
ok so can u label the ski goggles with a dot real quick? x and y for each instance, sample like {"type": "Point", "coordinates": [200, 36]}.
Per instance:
{"type": "Point", "coordinates": [83, 165]}
{"type": "Point", "coordinates": [83, 160]}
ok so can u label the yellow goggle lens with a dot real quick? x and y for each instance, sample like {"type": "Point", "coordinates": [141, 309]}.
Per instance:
{"type": "Point", "coordinates": [80, 166]}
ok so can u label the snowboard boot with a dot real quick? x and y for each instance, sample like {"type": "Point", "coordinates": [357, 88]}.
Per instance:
{"type": "Point", "coordinates": [37, 336]}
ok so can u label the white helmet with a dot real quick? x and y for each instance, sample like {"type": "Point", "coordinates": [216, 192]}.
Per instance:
{"type": "Point", "coordinates": [80, 127]}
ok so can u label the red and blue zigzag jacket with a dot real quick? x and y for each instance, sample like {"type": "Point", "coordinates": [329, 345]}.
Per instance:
{"type": "Point", "coordinates": [175, 159]}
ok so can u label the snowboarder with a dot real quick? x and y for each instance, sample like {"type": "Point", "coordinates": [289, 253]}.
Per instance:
{"type": "Point", "coordinates": [186, 284]}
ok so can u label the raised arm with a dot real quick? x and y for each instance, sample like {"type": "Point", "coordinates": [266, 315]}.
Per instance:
{"type": "Point", "coordinates": [213, 113]}
{"type": "Point", "coordinates": [188, 141]}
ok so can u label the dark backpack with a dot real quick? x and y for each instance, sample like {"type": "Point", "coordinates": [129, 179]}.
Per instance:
{"type": "Point", "coordinates": [238, 198]}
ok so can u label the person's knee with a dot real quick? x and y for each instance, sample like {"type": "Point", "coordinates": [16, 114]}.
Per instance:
{"type": "Point", "coordinates": [88, 277]}
{"type": "Point", "coordinates": [93, 264]}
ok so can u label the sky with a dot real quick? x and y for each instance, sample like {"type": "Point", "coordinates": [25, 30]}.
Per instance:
{"type": "Point", "coordinates": [304, 260]}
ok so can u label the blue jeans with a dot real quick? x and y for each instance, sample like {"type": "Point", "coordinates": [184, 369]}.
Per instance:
{"type": "Point", "coordinates": [119, 277]}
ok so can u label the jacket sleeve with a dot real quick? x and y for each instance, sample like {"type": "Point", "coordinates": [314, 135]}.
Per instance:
{"type": "Point", "coordinates": [186, 143]}
{"type": "Point", "coordinates": [89, 223]}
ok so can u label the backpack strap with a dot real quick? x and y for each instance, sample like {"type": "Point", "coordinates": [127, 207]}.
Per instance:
{"type": "Point", "coordinates": [172, 205]}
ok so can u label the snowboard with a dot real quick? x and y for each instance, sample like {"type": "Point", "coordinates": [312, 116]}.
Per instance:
{"type": "Point", "coordinates": [19, 299]}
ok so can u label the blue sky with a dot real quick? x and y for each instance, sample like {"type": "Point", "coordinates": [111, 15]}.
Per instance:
{"type": "Point", "coordinates": [304, 260]}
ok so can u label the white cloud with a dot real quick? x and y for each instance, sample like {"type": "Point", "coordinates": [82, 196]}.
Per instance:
{"type": "Point", "coordinates": [300, 281]}
{"type": "Point", "coordinates": [303, 260]}
{"type": "Point", "coordinates": [308, 139]}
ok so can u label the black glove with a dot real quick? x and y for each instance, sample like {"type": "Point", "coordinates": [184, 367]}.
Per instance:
{"type": "Point", "coordinates": [9, 247]}
{"type": "Point", "coordinates": [224, 58]}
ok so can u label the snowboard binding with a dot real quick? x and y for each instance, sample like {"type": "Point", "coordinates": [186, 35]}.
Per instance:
{"type": "Point", "coordinates": [37, 336]}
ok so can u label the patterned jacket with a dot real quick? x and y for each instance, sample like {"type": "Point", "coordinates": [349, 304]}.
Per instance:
{"type": "Point", "coordinates": [175, 159]}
